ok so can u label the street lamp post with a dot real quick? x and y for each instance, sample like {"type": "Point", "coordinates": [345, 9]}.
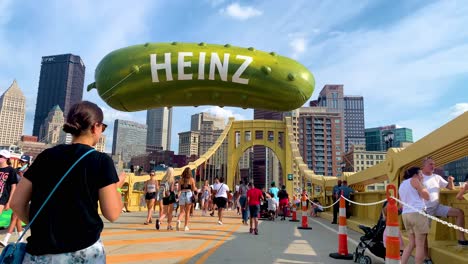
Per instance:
{"type": "Point", "coordinates": [388, 138]}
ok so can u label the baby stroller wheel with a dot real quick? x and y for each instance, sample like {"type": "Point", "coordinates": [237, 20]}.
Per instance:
{"type": "Point", "coordinates": [356, 256]}
{"type": "Point", "coordinates": [365, 260]}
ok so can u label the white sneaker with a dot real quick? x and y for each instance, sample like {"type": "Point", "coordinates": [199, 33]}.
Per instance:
{"type": "Point", "coordinates": [178, 225]}
{"type": "Point", "coordinates": [220, 223]}
{"type": "Point", "coordinates": [186, 229]}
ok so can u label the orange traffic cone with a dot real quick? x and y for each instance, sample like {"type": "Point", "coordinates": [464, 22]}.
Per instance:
{"type": "Point", "coordinates": [342, 234]}
{"type": "Point", "coordinates": [304, 214]}
{"type": "Point", "coordinates": [294, 214]}
{"type": "Point", "coordinates": [393, 229]}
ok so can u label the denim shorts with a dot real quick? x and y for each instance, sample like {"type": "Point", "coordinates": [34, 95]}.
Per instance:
{"type": "Point", "coordinates": [185, 198]}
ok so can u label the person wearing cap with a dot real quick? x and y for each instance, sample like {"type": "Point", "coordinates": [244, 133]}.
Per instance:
{"type": "Point", "coordinates": [15, 222]}
{"type": "Point", "coordinates": [24, 163]}
{"type": "Point", "coordinates": [8, 180]}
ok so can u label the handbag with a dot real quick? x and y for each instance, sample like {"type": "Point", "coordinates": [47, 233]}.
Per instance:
{"type": "Point", "coordinates": [14, 252]}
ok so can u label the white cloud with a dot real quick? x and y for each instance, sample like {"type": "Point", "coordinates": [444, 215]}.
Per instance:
{"type": "Point", "coordinates": [298, 45]}
{"type": "Point", "coordinates": [239, 12]}
{"type": "Point", "coordinates": [458, 109]}
{"type": "Point", "coordinates": [225, 113]}
{"type": "Point", "coordinates": [403, 65]}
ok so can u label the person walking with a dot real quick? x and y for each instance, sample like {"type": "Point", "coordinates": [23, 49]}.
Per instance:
{"type": "Point", "coordinates": [166, 193]}
{"type": "Point", "coordinates": [336, 194]}
{"type": "Point", "coordinates": [149, 189]}
{"type": "Point", "coordinates": [274, 190]}
{"type": "Point", "coordinates": [283, 197]}
{"type": "Point", "coordinates": [213, 196]}
{"type": "Point", "coordinates": [221, 199]}
{"type": "Point", "coordinates": [8, 181]}
{"type": "Point", "coordinates": [187, 187]}
{"type": "Point", "coordinates": [254, 197]}
{"type": "Point", "coordinates": [205, 198]}
{"type": "Point", "coordinates": [68, 228]}
{"type": "Point", "coordinates": [347, 191]}
{"type": "Point", "coordinates": [243, 200]}
{"type": "Point", "coordinates": [24, 163]}
{"type": "Point", "coordinates": [413, 192]}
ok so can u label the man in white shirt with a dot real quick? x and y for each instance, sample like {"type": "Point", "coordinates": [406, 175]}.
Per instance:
{"type": "Point", "coordinates": [434, 183]}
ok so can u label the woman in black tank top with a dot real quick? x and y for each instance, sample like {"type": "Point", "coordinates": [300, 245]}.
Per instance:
{"type": "Point", "coordinates": [187, 187]}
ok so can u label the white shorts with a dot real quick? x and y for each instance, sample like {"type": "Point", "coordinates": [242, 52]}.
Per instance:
{"type": "Point", "coordinates": [185, 198]}
{"type": "Point", "coordinates": [439, 210]}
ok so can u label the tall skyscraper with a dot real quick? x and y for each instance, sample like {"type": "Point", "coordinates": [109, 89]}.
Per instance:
{"type": "Point", "coordinates": [352, 108]}
{"type": "Point", "coordinates": [60, 83]}
{"type": "Point", "coordinates": [321, 141]}
{"type": "Point", "coordinates": [129, 139]}
{"type": "Point", "coordinates": [188, 143]}
{"type": "Point", "coordinates": [12, 112]}
{"type": "Point", "coordinates": [51, 129]}
{"type": "Point", "coordinates": [197, 119]}
{"type": "Point", "coordinates": [159, 122]}
{"type": "Point", "coordinates": [382, 138]}
{"type": "Point", "coordinates": [354, 121]}
{"type": "Point", "coordinates": [101, 144]}
{"type": "Point", "coordinates": [458, 169]}
{"type": "Point", "coordinates": [260, 169]}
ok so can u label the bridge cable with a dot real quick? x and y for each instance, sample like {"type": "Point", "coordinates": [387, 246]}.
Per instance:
{"type": "Point", "coordinates": [456, 227]}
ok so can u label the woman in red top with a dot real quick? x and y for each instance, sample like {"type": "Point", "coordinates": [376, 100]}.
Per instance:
{"type": "Point", "coordinates": [254, 196]}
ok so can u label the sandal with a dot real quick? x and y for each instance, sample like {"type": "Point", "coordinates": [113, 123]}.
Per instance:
{"type": "Point", "coordinates": [145, 223]}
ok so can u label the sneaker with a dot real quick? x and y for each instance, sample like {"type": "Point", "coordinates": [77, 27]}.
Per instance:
{"type": "Point", "coordinates": [3, 243]}
{"type": "Point", "coordinates": [220, 223]}
{"type": "Point", "coordinates": [157, 224]}
{"type": "Point", "coordinates": [251, 231]}
{"type": "Point", "coordinates": [333, 223]}
{"type": "Point", "coordinates": [256, 231]}
{"type": "Point", "coordinates": [177, 225]}
{"type": "Point", "coordinates": [186, 229]}
{"type": "Point", "coordinates": [463, 242]}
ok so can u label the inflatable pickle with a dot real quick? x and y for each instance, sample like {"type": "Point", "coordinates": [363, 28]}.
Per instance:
{"type": "Point", "coordinates": [185, 74]}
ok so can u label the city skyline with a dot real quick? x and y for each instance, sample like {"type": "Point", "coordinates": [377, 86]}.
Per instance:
{"type": "Point", "coordinates": [416, 84]}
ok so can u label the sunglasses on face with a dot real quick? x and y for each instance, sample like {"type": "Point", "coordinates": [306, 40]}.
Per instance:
{"type": "Point", "coordinates": [104, 126]}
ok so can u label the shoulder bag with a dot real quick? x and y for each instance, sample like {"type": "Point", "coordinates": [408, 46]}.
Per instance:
{"type": "Point", "coordinates": [14, 252]}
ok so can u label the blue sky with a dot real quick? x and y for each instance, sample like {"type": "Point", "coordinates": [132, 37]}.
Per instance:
{"type": "Point", "coordinates": [409, 59]}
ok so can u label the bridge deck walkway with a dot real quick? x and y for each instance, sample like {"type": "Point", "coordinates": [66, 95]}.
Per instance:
{"type": "Point", "coordinates": [129, 241]}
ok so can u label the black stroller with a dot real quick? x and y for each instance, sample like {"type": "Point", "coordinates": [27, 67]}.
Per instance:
{"type": "Point", "coordinates": [372, 240]}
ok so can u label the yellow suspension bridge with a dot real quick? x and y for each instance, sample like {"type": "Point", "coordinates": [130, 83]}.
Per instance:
{"type": "Point", "coordinates": [446, 144]}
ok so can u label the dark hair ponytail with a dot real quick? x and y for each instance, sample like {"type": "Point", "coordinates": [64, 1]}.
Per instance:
{"type": "Point", "coordinates": [81, 117]}
{"type": "Point", "coordinates": [411, 172]}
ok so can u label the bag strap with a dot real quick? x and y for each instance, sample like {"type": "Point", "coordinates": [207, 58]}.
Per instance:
{"type": "Point", "coordinates": [52, 192]}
